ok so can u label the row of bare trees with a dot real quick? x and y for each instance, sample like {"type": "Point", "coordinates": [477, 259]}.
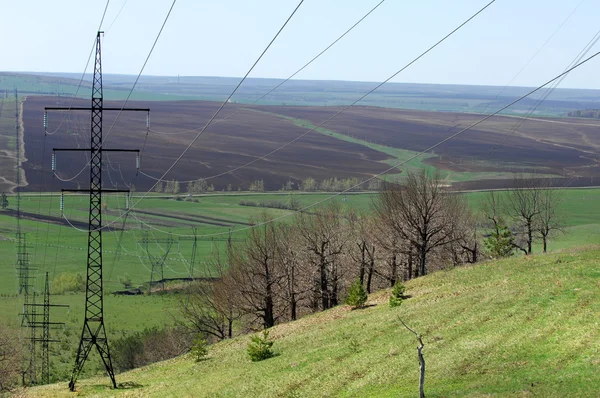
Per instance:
{"type": "Point", "coordinates": [285, 270]}
{"type": "Point", "coordinates": [282, 271]}
{"type": "Point", "coordinates": [527, 213]}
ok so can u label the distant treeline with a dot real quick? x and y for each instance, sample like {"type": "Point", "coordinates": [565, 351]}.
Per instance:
{"type": "Point", "coordinates": [307, 185]}
{"type": "Point", "coordinates": [587, 113]}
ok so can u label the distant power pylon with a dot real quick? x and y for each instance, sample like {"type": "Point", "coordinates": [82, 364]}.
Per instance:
{"type": "Point", "coordinates": [94, 332]}
{"type": "Point", "coordinates": [45, 325]}
{"type": "Point", "coordinates": [157, 261]}
{"type": "Point", "coordinates": [212, 239]}
{"type": "Point", "coordinates": [22, 255]}
{"type": "Point", "coordinates": [194, 240]}
{"type": "Point", "coordinates": [23, 266]}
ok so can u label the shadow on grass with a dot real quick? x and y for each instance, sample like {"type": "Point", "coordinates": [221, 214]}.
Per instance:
{"type": "Point", "coordinates": [275, 354]}
{"type": "Point", "coordinates": [129, 385]}
{"type": "Point", "coordinates": [364, 307]}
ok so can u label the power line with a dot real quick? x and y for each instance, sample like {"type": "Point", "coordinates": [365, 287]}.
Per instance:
{"type": "Point", "coordinates": [297, 138]}
{"type": "Point", "coordinates": [411, 158]}
{"type": "Point", "coordinates": [343, 109]}
{"type": "Point", "coordinates": [586, 49]}
{"type": "Point", "coordinates": [142, 69]}
{"type": "Point", "coordinates": [119, 13]}
{"type": "Point", "coordinates": [407, 160]}
{"type": "Point", "coordinates": [228, 98]}
{"type": "Point", "coordinates": [83, 74]}
{"type": "Point", "coordinates": [535, 54]}
{"type": "Point", "coordinates": [285, 80]}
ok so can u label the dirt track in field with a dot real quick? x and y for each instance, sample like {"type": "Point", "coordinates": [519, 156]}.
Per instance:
{"type": "Point", "coordinates": [220, 222]}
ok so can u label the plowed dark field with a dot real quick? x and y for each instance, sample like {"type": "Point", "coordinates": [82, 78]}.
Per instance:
{"type": "Point", "coordinates": [223, 146]}
{"type": "Point", "coordinates": [566, 147]}
{"type": "Point", "coordinates": [561, 146]}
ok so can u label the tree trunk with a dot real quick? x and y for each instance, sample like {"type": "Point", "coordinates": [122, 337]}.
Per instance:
{"type": "Point", "coordinates": [293, 305]}
{"type": "Point", "coordinates": [370, 275]}
{"type": "Point", "coordinates": [394, 271]}
{"type": "Point", "coordinates": [422, 261]}
{"type": "Point", "coordinates": [410, 265]}
{"type": "Point", "coordinates": [324, 287]}
{"type": "Point", "coordinates": [333, 297]}
{"type": "Point", "coordinates": [529, 238]}
{"type": "Point", "coordinates": [363, 261]}
{"type": "Point", "coordinates": [269, 318]}
{"type": "Point", "coordinates": [545, 240]}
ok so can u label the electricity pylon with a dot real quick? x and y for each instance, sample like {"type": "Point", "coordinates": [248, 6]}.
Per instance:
{"type": "Point", "coordinates": [23, 265]}
{"type": "Point", "coordinates": [157, 261]}
{"type": "Point", "coordinates": [94, 332]}
{"type": "Point", "coordinates": [45, 325]}
{"type": "Point", "coordinates": [194, 240]}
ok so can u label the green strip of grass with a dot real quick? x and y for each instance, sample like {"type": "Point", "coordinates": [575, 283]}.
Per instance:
{"type": "Point", "coordinates": [410, 161]}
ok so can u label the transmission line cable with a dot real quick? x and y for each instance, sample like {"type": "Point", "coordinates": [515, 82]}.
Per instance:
{"type": "Point", "coordinates": [286, 79]}
{"type": "Point", "coordinates": [44, 149]}
{"type": "Point", "coordinates": [228, 98]}
{"type": "Point", "coordinates": [297, 138]}
{"type": "Point", "coordinates": [533, 56]}
{"type": "Point", "coordinates": [118, 14]}
{"type": "Point", "coordinates": [584, 51]}
{"type": "Point", "coordinates": [84, 69]}
{"type": "Point", "coordinates": [340, 111]}
{"type": "Point", "coordinates": [403, 162]}
{"type": "Point", "coordinates": [141, 70]}
{"type": "Point", "coordinates": [409, 159]}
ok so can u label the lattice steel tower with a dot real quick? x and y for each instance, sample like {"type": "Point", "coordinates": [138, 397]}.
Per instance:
{"type": "Point", "coordinates": [94, 331]}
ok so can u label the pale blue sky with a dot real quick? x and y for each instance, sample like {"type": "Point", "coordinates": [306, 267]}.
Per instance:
{"type": "Point", "coordinates": [224, 37]}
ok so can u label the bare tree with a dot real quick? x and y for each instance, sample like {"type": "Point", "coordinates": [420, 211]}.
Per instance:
{"type": "Point", "coordinates": [297, 285]}
{"type": "Point", "coordinates": [550, 220]}
{"type": "Point", "coordinates": [257, 274]}
{"type": "Point", "coordinates": [363, 253]}
{"type": "Point", "coordinates": [323, 238]}
{"type": "Point", "coordinates": [524, 206]}
{"type": "Point", "coordinates": [208, 306]}
{"type": "Point", "coordinates": [421, 213]}
{"type": "Point", "coordinates": [395, 254]}
{"type": "Point", "coordinates": [465, 248]}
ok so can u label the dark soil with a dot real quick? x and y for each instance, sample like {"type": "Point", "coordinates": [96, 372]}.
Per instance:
{"type": "Point", "coordinates": [567, 147]}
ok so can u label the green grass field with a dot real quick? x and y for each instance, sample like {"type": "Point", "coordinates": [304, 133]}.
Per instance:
{"type": "Point", "coordinates": [56, 249]}
{"type": "Point", "coordinates": [61, 249]}
{"type": "Point", "coordinates": [525, 326]}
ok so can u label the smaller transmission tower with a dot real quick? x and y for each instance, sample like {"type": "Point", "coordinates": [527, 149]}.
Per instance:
{"type": "Point", "coordinates": [23, 266]}
{"type": "Point", "coordinates": [157, 261]}
{"type": "Point", "coordinates": [45, 325]}
{"type": "Point", "coordinates": [194, 240]}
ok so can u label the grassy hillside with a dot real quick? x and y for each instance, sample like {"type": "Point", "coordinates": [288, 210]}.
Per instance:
{"type": "Point", "coordinates": [526, 326]}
